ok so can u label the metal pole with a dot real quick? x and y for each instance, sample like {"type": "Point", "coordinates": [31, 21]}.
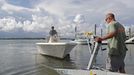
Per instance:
{"type": "Point", "coordinates": [93, 55]}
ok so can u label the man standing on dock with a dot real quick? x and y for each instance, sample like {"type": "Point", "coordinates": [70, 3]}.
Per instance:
{"type": "Point", "coordinates": [116, 43]}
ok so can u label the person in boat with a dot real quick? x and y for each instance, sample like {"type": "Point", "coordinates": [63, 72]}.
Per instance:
{"type": "Point", "coordinates": [116, 38]}
{"type": "Point", "coordinates": [53, 35]}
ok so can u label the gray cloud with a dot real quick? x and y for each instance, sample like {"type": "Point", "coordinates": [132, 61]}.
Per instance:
{"type": "Point", "coordinates": [61, 13]}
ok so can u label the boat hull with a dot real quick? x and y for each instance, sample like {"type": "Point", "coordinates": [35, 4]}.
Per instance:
{"type": "Point", "coordinates": [81, 41]}
{"type": "Point", "coordinates": [87, 72]}
{"type": "Point", "coordinates": [59, 50]}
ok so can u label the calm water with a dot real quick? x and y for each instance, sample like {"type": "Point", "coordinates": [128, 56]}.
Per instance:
{"type": "Point", "coordinates": [20, 57]}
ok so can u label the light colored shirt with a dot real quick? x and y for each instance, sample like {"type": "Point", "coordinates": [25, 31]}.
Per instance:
{"type": "Point", "coordinates": [117, 44]}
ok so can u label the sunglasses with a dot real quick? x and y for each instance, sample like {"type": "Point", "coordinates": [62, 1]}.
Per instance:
{"type": "Point", "coordinates": [107, 18]}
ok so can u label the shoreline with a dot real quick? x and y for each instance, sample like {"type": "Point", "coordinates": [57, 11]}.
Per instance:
{"type": "Point", "coordinates": [32, 38]}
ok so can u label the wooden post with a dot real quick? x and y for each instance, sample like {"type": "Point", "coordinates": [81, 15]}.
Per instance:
{"type": "Point", "coordinates": [95, 29]}
{"type": "Point", "coordinates": [101, 32]}
{"type": "Point", "coordinates": [75, 32]}
{"type": "Point", "coordinates": [129, 32]}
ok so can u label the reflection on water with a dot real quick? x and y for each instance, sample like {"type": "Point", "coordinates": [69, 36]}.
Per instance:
{"type": "Point", "coordinates": [20, 57]}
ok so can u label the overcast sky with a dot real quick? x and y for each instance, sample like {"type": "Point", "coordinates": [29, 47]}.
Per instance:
{"type": "Point", "coordinates": [27, 18]}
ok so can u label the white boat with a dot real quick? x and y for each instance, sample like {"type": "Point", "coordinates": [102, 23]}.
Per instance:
{"type": "Point", "coordinates": [82, 38]}
{"type": "Point", "coordinates": [58, 49]}
{"type": "Point", "coordinates": [81, 41]}
{"type": "Point", "coordinates": [56, 71]}
{"type": "Point", "coordinates": [86, 72]}
{"type": "Point", "coordinates": [130, 40]}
